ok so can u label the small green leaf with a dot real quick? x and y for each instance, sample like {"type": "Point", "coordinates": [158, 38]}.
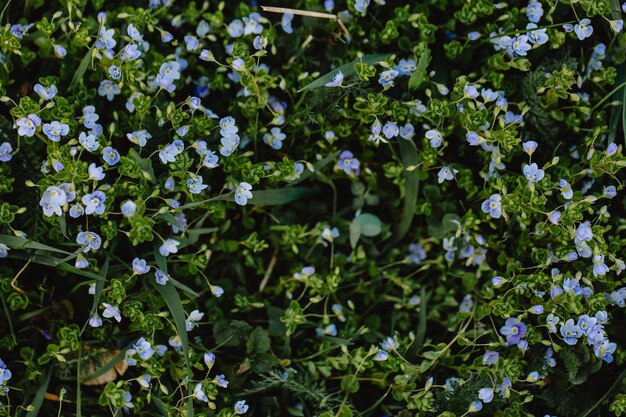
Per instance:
{"type": "Point", "coordinates": [346, 69]}
{"type": "Point", "coordinates": [145, 165]}
{"type": "Point", "coordinates": [420, 71]}
{"type": "Point", "coordinates": [370, 224]}
{"type": "Point", "coordinates": [350, 384]}
{"type": "Point", "coordinates": [355, 233]}
{"type": "Point", "coordinates": [318, 166]}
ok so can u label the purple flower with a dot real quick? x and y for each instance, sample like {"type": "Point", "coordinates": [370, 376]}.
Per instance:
{"type": "Point", "coordinates": [348, 163]}
{"type": "Point", "coordinates": [514, 330]}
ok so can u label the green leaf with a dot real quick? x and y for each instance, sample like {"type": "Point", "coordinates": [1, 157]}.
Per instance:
{"type": "Point", "coordinates": [145, 165]}
{"type": "Point", "coordinates": [347, 70]}
{"type": "Point", "coordinates": [39, 396]}
{"type": "Point", "coordinates": [172, 300]}
{"type": "Point", "coordinates": [370, 225]}
{"type": "Point", "coordinates": [355, 233]}
{"type": "Point", "coordinates": [82, 68]}
{"type": "Point", "coordinates": [408, 155]}
{"type": "Point", "coordinates": [618, 112]}
{"type": "Point", "coordinates": [169, 217]}
{"type": "Point", "coordinates": [616, 9]}
{"type": "Point", "coordinates": [318, 166]}
{"type": "Point", "coordinates": [420, 71]}
{"type": "Point", "coordinates": [22, 243]}
{"type": "Point", "coordinates": [276, 197]}
{"type": "Point", "coordinates": [350, 384]}
{"type": "Point", "coordinates": [258, 342]}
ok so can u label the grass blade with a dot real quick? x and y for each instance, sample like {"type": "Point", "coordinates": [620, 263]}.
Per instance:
{"type": "Point", "coordinates": [22, 243]}
{"type": "Point", "coordinates": [420, 71]}
{"type": "Point", "coordinates": [39, 396]}
{"type": "Point", "coordinates": [106, 367]}
{"type": "Point", "coordinates": [276, 197]}
{"type": "Point", "coordinates": [82, 68]}
{"type": "Point", "coordinates": [408, 155]}
{"type": "Point", "coordinates": [347, 70]}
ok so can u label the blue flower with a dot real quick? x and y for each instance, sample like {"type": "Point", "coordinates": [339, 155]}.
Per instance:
{"type": "Point", "coordinates": [336, 81]}
{"type": "Point", "coordinates": [387, 77]}
{"type": "Point", "coordinates": [474, 139]}
{"type": "Point", "coordinates": [536, 309]}
{"type": "Point", "coordinates": [348, 163]}
{"type": "Point", "coordinates": [611, 149]}
{"type": "Point", "coordinates": [446, 174]}
{"type": "Point", "coordinates": [485, 395]}
{"type": "Point", "coordinates": [514, 330]}
{"type": "Point", "coordinates": [111, 312]}
{"type": "Point", "coordinates": [95, 321]}
{"type": "Point", "coordinates": [405, 66]}
{"type": "Point", "coordinates": [46, 93]}
{"type": "Point", "coordinates": [144, 380]}
{"type": "Point", "coordinates": [139, 137]}
{"type": "Point", "coordinates": [143, 348]}
{"type": "Point", "coordinates": [390, 130]}
{"type": "Point", "coordinates": [361, 5]}
{"type": "Point", "coordinates": [216, 290]}
{"type": "Point", "coordinates": [389, 344]}
{"type": "Point", "coordinates": [381, 356]}
{"type": "Point", "coordinates": [407, 131]}
{"type": "Point", "coordinates": [5, 373]}
{"type": "Point", "coordinates": [110, 155]}
{"type": "Point", "coordinates": [416, 254]}
{"type": "Point", "coordinates": [199, 394]}
{"type": "Point", "coordinates": [168, 247]}
{"type": "Point", "coordinates": [209, 359]}
{"type": "Point", "coordinates": [475, 407]}
{"type": "Point", "coordinates": [491, 358]}
{"type": "Point", "coordinates": [130, 53]}
{"type": "Point", "coordinates": [108, 89]}
{"type": "Point", "coordinates": [466, 304]}
{"type": "Point", "coordinates": [583, 29]}
{"type": "Point", "coordinates": [605, 350]}
{"type": "Point", "coordinates": [566, 189]}
{"type": "Point", "coordinates": [88, 240]}
{"type": "Point", "coordinates": [583, 233]}
{"type": "Point", "coordinates": [54, 130]}
{"type": "Point", "coordinates": [599, 267]}
{"type": "Point", "coordinates": [195, 185]}
{"type": "Point", "coordinates": [115, 72]}
{"type": "Point", "coordinates": [435, 137]}
{"type": "Point", "coordinates": [609, 191]}
{"type": "Point", "coordinates": [89, 142]}
{"type": "Point", "coordinates": [286, 22]}
{"type": "Point", "coordinates": [221, 381]}
{"type": "Point", "coordinates": [519, 46]}
{"type": "Point", "coordinates": [488, 95]}
{"type": "Point", "coordinates": [537, 36]}
{"type": "Point", "coordinates": [493, 206]}
{"type": "Point", "coordinates": [533, 173]}
{"type": "Point", "coordinates": [241, 407]}
{"type": "Point", "coordinates": [191, 321]}
{"type": "Point", "coordinates": [59, 51]}
{"type": "Point", "coordinates": [534, 11]}
{"type": "Point", "coordinates": [242, 193]}
{"type": "Point", "coordinates": [90, 117]}
{"type": "Point", "coordinates": [533, 376]}
{"type": "Point", "coordinates": [4, 250]}
{"type": "Point", "coordinates": [161, 277]}
{"type": "Point", "coordinates": [5, 152]}
{"type": "Point", "coordinates": [105, 38]}
{"type": "Point", "coordinates": [94, 202]}
{"type": "Point", "coordinates": [191, 43]}
{"type": "Point", "coordinates": [235, 28]}
{"type": "Point", "coordinates": [469, 91]}
{"type": "Point", "coordinates": [274, 138]}
{"type": "Point", "coordinates": [28, 125]}
{"type": "Point", "coordinates": [128, 208]}
{"type": "Point", "coordinates": [570, 332]}
{"type": "Point", "coordinates": [140, 266]}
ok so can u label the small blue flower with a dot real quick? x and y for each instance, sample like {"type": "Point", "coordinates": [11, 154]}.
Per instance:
{"type": "Point", "coordinates": [493, 206]}
{"type": "Point", "coordinates": [389, 344]}
{"type": "Point", "coordinates": [361, 5]}
{"type": "Point", "coordinates": [88, 240]}
{"type": "Point", "coordinates": [5, 152]}
{"type": "Point", "coordinates": [599, 267]}
{"type": "Point", "coordinates": [435, 137]}
{"type": "Point", "coordinates": [475, 407]}
{"type": "Point", "coordinates": [28, 125]}
{"type": "Point", "coordinates": [195, 185]}
{"type": "Point", "coordinates": [95, 321]}
{"type": "Point", "coordinates": [534, 11]}
{"type": "Point", "coordinates": [533, 376]}
{"type": "Point", "coordinates": [108, 89]}
{"type": "Point", "coordinates": [144, 380]}
{"type": "Point", "coordinates": [474, 139]}
{"type": "Point", "coordinates": [94, 202]}
{"type": "Point", "coordinates": [221, 381]}
{"type": "Point", "coordinates": [168, 247]}
{"type": "Point", "coordinates": [242, 193]}
{"type": "Point", "coordinates": [533, 173]}
{"type": "Point", "coordinates": [605, 350]}
{"type": "Point", "coordinates": [128, 208]}
{"type": "Point", "coordinates": [336, 81]}
{"type": "Point", "coordinates": [5, 373]}
{"type": "Point", "coordinates": [466, 304]}
{"type": "Point", "coordinates": [199, 394]}
{"type": "Point", "coordinates": [529, 147]}
{"type": "Point", "coordinates": [485, 395]}
{"type": "Point", "coordinates": [46, 93]}
{"type": "Point", "coordinates": [583, 29]}
{"type": "Point", "coordinates": [583, 233]}
{"type": "Point", "coordinates": [110, 155]}
{"type": "Point", "coordinates": [274, 138]}
{"type": "Point", "coordinates": [143, 348]}
{"type": "Point", "coordinates": [209, 359]}
{"type": "Point", "coordinates": [570, 332]}
{"type": "Point", "coordinates": [491, 358]}
{"type": "Point", "coordinates": [105, 38]}
{"type": "Point", "coordinates": [390, 130]}
{"type": "Point", "coordinates": [161, 277]}
{"type": "Point", "coordinates": [140, 266]}
{"type": "Point", "coordinates": [115, 72]}
{"type": "Point", "coordinates": [387, 77]}
{"type": "Point", "coordinates": [111, 312]}
{"type": "Point", "coordinates": [536, 309]}
{"type": "Point", "coordinates": [514, 330]}
{"type": "Point", "coordinates": [241, 407]}
{"type": "Point", "coordinates": [286, 22]}
{"type": "Point", "coordinates": [381, 356]}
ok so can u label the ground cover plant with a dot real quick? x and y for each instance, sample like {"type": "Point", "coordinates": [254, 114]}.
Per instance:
{"type": "Point", "coordinates": [312, 208]}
